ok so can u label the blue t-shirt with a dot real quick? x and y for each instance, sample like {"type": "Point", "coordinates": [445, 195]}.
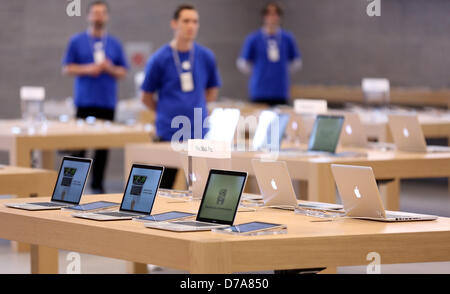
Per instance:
{"type": "Point", "coordinates": [269, 79]}
{"type": "Point", "coordinates": [162, 76]}
{"type": "Point", "coordinates": [100, 91]}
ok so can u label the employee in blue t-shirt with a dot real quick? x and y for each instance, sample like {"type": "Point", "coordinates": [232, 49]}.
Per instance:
{"type": "Point", "coordinates": [269, 54]}
{"type": "Point", "coordinates": [184, 76]}
{"type": "Point", "coordinates": [97, 61]}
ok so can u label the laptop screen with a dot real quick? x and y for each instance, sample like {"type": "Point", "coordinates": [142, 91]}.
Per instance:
{"type": "Point", "coordinates": [142, 185]}
{"type": "Point", "coordinates": [71, 180]}
{"type": "Point", "coordinates": [221, 196]}
{"type": "Point", "coordinates": [325, 133]}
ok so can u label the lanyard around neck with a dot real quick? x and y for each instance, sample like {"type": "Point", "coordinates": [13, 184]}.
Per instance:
{"type": "Point", "coordinates": [103, 40]}
{"type": "Point", "coordinates": [277, 37]}
{"type": "Point", "coordinates": [176, 59]}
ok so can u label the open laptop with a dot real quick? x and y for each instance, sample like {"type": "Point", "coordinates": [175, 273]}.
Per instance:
{"type": "Point", "coordinates": [299, 127]}
{"type": "Point", "coordinates": [138, 197]}
{"type": "Point", "coordinates": [69, 186]}
{"type": "Point", "coordinates": [199, 172]}
{"type": "Point", "coordinates": [361, 198]}
{"type": "Point", "coordinates": [408, 135]}
{"type": "Point", "coordinates": [325, 134]}
{"type": "Point", "coordinates": [324, 138]}
{"type": "Point", "coordinates": [353, 133]}
{"type": "Point", "coordinates": [270, 131]}
{"type": "Point", "coordinates": [219, 204]}
{"type": "Point", "coordinates": [276, 187]}
{"type": "Point", "coordinates": [275, 183]}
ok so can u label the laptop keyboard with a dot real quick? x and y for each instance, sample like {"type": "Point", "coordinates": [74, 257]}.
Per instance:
{"type": "Point", "coordinates": [117, 213]}
{"type": "Point", "coordinates": [194, 224]}
{"type": "Point", "coordinates": [47, 204]}
{"type": "Point", "coordinates": [437, 149]}
{"type": "Point", "coordinates": [399, 216]}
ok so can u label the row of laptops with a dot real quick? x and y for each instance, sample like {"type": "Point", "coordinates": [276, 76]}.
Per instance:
{"type": "Point", "coordinates": [271, 129]}
{"type": "Point", "coordinates": [277, 190]}
{"type": "Point", "coordinates": [323, 135]}
{"type": "Point", "coordinates": [222, 194]}
{"type": "Point", "coordinates": [346, 129]}
{"type": "Point", "coordinates": [323, 139]}
{"type": "Point", "coordinates": [356, 186]}
{"type": "Point", "coordinates": [218, 207]}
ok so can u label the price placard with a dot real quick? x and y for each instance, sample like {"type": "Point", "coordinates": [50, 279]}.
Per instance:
{"type": "Point", "coordinates": [209, 148]}
{"type": "Point", "coordinates": [310, 106]}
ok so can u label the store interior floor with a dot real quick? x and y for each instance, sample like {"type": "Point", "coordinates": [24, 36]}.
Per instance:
{"type": "Point", "coordinates": [422, 196]}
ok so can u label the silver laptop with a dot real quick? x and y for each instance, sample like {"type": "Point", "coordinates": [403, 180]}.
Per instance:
{"type": "Point", "coordinates": [138, 197]}
{"type": "Point", "coordinates": [324, 138]}
{"type": "Point", "coordinates": [361, 198]}
{"type": "Point", "coordinates": [408, 135]}
{"type": "Point", "coordinates": [219, 204]}
{"type": "Point", "coordinates": [69, 186]}
{"type": "Point", "coordinates": [197, 176]}
{"type": "Point", "coordinates": [293, 128]}
{"type": "Point", "coordinates": [276, 187]}
{"type": "Point", "coordinates": [275, 183]}
{"type": "Point", "coordinates": [353, 133]}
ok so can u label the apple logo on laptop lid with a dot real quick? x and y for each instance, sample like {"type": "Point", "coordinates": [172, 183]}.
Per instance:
{"type": "Point", "coordinates": [357, 193]}
{"type": "Point", "coordinates": [405, 132]}
{"type": "Point", "coordinates": [274, 184]}
{"type": "Point", "coordinates": [348, 129]}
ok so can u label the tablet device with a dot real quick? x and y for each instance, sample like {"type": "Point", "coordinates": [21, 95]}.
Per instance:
{"type": "Point", "coordinates": [93, 206]}
{"type": "Point", "coordinates": [166, 216]}
{"type": "Point", "coordinates": [253, 227]}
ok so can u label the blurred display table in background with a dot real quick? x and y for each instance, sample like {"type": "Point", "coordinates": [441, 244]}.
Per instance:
{"type": "Point", "coordinates": [316, 171]}
{"type": "Point", "coordinates": [20, 139]}
{"type": "Point", "coordinates": [26, 182]}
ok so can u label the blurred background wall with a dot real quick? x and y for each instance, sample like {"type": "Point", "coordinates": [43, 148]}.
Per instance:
{"type": "Point", "coordinates": [408, 43]}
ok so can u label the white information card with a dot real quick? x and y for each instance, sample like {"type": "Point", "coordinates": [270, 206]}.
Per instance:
{"type": "Point", "coordinates": [209, 148]}
{"type": "Point", "coordinates": [313, 106]}
{"type": "Point", "coordinates": [32, 93]}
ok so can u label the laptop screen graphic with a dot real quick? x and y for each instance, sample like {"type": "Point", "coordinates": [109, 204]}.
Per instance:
{"type": "Point", "coordinates": [222, 197]}
{"type": "Point", "coordinates": [138, 183]}
{"type": "Point", "coordinates": [325, 134]}
{"type": "Point", "coordinates": [71, 180]}
{"type": "Point", "coordinates": [141, 190]}
{"type": "Point", "coordinates": [69, 173]}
